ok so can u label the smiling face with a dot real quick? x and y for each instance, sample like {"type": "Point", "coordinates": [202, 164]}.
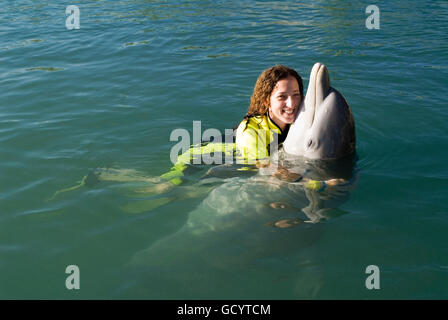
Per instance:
{"type": "Point", "coordinates": [267, 83]}
{"type": "Point", "coordinates": [284, 102]}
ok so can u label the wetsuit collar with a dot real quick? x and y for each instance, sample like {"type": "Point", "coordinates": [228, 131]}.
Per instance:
{"type": "Point", "coordinates": [281, 133]}
{"type": "Point", "coordinates": [271, 124]}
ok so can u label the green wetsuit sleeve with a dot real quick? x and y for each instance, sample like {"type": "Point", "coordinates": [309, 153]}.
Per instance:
{"type": "Point", "coordinates": [175, 174]}
{"type": "Point", "coordinates": [315, 185]}
{"type": "Point", "coordinates": [177, 171]}
{"type": "Point", "coordinates": [185, 159]}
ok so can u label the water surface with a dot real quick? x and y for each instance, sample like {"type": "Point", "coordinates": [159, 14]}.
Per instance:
{"type": "Point", "coordinates": [109, 94]}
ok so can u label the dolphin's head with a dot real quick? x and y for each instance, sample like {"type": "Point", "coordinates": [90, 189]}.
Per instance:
{"type": "Point", "coordinates": [324, 127]}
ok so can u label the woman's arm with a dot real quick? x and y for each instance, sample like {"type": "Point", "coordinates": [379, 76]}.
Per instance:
{"type": "Point", "coordinates": [284, 174]}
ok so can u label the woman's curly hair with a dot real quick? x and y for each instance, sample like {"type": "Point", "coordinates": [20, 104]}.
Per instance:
{"type": "Point", "coordinates": [266, 82]}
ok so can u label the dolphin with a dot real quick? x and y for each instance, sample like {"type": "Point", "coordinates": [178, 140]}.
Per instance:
{"type": "Point", "coordinates": [230, 233]}
{"type": "Point", "coordinates": [324, 127]}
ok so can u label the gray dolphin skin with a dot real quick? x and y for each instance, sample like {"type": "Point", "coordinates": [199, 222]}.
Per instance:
{"type": "Point", "coordinates": [324, 127]}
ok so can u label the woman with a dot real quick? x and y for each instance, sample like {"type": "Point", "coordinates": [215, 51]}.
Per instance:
{"type": "Point", "coordinates": [273, 107]}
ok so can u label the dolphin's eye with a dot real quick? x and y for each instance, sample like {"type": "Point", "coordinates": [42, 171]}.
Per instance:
{"type": "Point", "coordinates": [310, 143]}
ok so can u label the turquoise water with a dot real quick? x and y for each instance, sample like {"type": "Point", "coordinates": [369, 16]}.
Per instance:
{"type": "Point", "coordinates": [108, 96]}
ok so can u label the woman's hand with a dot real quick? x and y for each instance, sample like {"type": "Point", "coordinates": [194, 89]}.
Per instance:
{"type": "Point", "coordinates": [335, 182]}
{"type": "Point", "coordinates": [262, 164]}
{"type": "Point", "coordinates": [284, 174]}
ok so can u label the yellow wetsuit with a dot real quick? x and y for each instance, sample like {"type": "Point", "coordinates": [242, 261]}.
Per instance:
{"type": "Point", "coordinates": [254, 137]}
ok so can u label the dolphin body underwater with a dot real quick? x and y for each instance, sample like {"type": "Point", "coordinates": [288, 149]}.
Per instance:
{"type": "Point", "coordinates": [230, 229]}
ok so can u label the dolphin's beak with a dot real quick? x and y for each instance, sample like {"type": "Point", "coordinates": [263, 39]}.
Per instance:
{"type": "Point", "coordinates": [318, 88]}
{"type": "Point", "coordinates": [324, 126]}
